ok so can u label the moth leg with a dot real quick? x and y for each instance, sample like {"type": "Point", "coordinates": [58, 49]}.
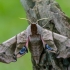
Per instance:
{"type": "Point", "coordinates": [22, 51]}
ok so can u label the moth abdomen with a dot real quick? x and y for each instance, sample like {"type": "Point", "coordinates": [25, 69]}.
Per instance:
{"type": "Point", "coordinates": [35, 47]}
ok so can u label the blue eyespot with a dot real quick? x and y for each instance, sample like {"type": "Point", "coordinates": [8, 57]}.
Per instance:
{"type": "Point", "coordinates": [48, 47]}
{"type": "Point", "coordinates": [23, 50]}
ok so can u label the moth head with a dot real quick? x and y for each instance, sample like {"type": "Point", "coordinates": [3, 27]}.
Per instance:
{"type": "Point", "coordinates": [34, 28]}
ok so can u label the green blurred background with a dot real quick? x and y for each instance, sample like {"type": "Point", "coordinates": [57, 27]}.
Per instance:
{"type": "Point", "coordinates": [10, 25]}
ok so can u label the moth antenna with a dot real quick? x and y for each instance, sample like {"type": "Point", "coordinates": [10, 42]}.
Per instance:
{"type": "Point", "coordinates": [26, 19]}
{"type": "Point", "coordinates": [40, 19]}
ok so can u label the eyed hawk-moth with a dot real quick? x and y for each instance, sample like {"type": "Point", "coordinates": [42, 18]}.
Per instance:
{"type": "Point", "coordinates": [36, 39]}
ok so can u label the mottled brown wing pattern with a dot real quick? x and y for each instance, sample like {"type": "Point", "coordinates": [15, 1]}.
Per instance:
{"type": "Point", "coordinates": [10, 48]}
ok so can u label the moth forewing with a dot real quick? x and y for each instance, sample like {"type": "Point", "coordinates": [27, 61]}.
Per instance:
{"type": "Point", "coordinates": [48, 39]}
{"type": "Point", "coordinates": [10, 48]}
{"type": "Point", "coordinates": [21, 40]}
{"type": "Point", "coordinates": [65, 42]}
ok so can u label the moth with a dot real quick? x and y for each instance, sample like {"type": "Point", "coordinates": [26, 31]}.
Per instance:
{"type": "Point", "coordinates": [36, 39]}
